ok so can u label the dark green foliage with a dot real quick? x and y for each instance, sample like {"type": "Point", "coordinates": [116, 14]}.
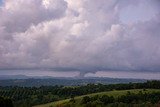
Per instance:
{"type": "Point", "coordinates": [128, 100]}
{"type": "Point", "coordinates": [29, 96]}
{"type": "Point", "coordinates": [5, 102]}
{"type": "Point", "coordinates": [86, 100]}
{"type": "Point", "coordinates": [140, 97]}
{"type": "Point", "coordinates": [106, 99]}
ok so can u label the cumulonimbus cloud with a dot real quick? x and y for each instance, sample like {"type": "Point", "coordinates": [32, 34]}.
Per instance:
{"type": "Point", "coordinates": [83, 35]}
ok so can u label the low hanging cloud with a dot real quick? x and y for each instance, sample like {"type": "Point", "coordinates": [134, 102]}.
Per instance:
{"type": "Point", "coordinates": [82, 35]}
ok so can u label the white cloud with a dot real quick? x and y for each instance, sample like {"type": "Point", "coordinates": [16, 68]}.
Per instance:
{"type": "Point", "coordinates": [84, 35]}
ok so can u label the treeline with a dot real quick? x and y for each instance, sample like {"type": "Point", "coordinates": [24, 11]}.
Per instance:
{"type": "Point", "coordinates": [28, 96]}
{"type": "Point", "coordinates": [129, 100]}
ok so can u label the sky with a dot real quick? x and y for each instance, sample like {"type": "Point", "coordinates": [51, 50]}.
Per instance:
{"type": "Point", "coordinates": [86, 38]}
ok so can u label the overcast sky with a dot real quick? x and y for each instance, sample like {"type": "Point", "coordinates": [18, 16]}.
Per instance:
{"type": "Point", "coordinates": [80, 37]}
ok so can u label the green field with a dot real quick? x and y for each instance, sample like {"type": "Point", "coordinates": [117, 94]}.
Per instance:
{"type": "Point", "coordinates": [114, 93]}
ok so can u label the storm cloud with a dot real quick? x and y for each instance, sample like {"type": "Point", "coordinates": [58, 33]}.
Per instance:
{"type": "Point", "coordinates": [82, 35]}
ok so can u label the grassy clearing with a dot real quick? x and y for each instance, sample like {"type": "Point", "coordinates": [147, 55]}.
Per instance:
{"type": "Point", "coordinates": [114, 93]}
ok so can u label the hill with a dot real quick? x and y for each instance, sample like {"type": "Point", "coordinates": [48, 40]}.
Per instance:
{"type": "Point", "coordinates": [115, 94]}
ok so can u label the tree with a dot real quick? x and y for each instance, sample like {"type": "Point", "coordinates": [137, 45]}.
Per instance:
{"type": "Point", "coordinates": [106, 99]}
{"type": "Point", "coordinates": [85, 100]}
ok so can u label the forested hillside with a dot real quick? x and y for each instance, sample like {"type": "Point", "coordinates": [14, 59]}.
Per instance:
{"type": "Point", "coordinates": [29, 96]}
{"type": "Point", "coordinates": [120, 98]}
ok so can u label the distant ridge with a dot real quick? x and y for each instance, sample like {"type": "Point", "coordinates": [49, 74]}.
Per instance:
{"type": "Point", "coordinates": [4, 77]}
{"type": "Point", "coordinates": [29, 81]}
